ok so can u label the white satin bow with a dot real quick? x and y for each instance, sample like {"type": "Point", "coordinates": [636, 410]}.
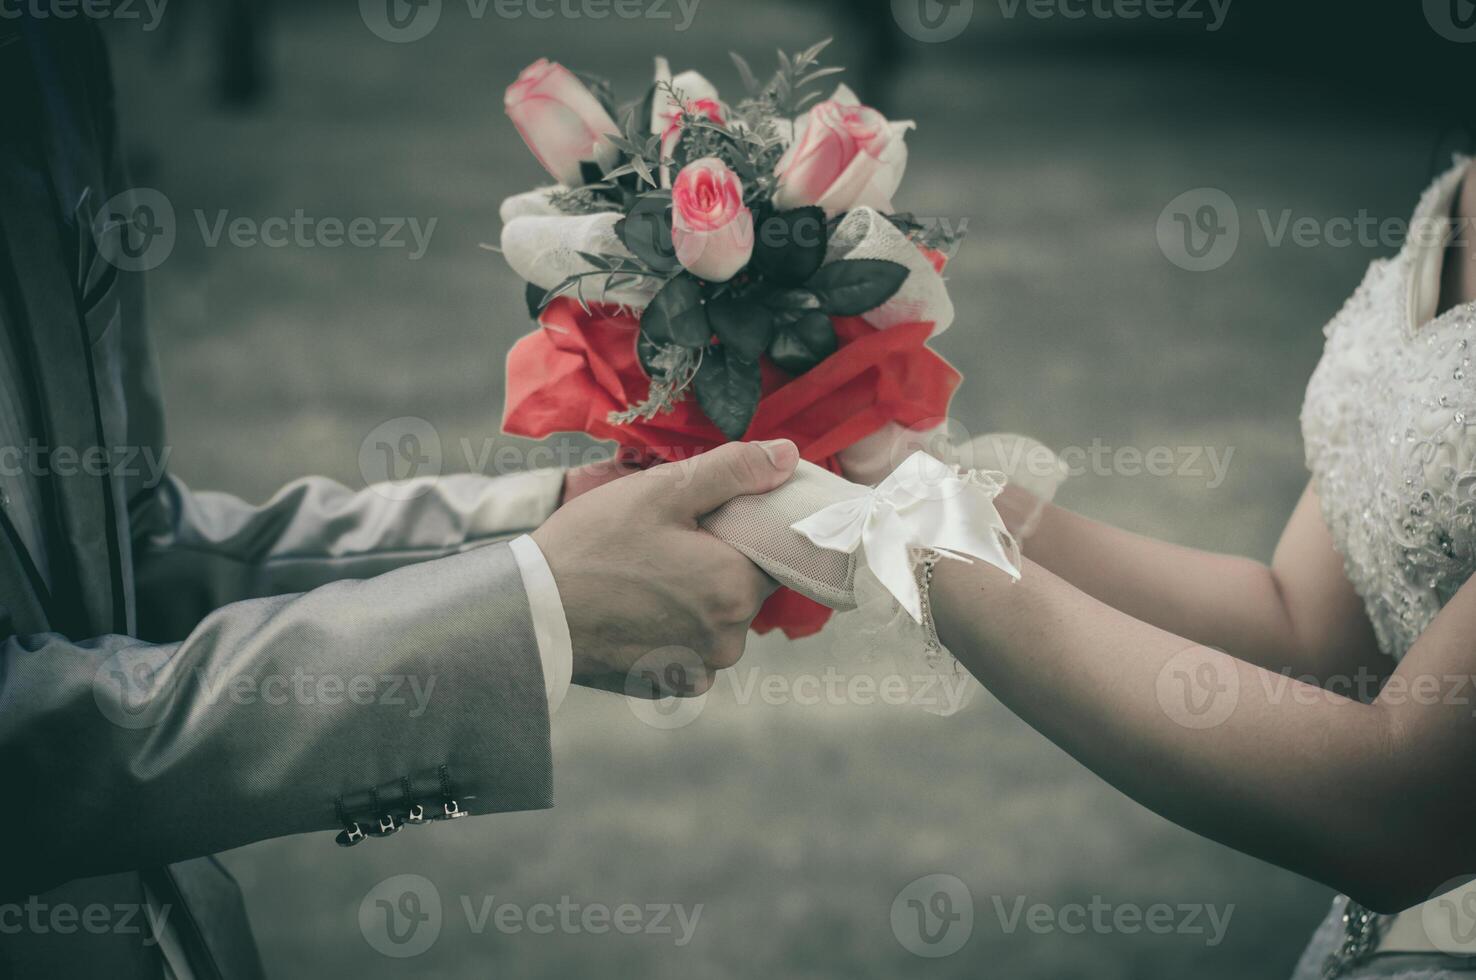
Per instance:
{"type": "Point", "coordinates": [924, 503]}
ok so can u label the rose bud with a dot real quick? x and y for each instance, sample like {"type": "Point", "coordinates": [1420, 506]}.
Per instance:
{"type": "Point", "coordinates": [560, 120]}
{"type": "Point", "coordinates": [710, 227]}
{"type": "Point", "coordinates": [701, 108]}
{"type": "Point", "coordinates": [694, 93]}
{"type": "Point", "coordinates": [844, 155]}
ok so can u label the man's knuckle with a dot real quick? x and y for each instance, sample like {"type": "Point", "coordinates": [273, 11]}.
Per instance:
{"type": "Point", "coordinates": [728, 651]}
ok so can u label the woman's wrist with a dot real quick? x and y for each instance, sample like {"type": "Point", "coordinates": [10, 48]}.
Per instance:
{"type": "Point", "coordinates": [1023, 512]}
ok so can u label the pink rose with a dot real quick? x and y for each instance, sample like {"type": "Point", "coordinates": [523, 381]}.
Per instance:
{"type": "Point", "coordinates": [560, 120]}
{"type": "Point", "coordinates": [710, 227]}
{"type": "Point", "coordinates": [844, 155]}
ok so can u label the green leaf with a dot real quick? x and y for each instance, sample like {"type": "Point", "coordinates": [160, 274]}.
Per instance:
{"type": "Point", "coordinates": [818, 74]}
{"type": "Point", "coordinates": [643, 111]}
{"type": "Point", "coordinates": [798, 301]}
{"type": "Point", "coordinates": [646, 231]}
{"type": "Point", "coordinates": [623, 144]}
{"type": "Point", "coordinates": [808, 55]}
{"type": "Point", "coordinates": [789, 246]}
{"type": "Point", "coordinates": [676, 314]}
{"type": "Point", "coordinates": [851, 287]}
{"type": "Point", "coordinates": [750, 80]}
{"type": "Point", "coordinates": [742, 325]}
{"type": "Point", "coordinates": [801, 345]}
{"type": "Point", "coordinates": [639, 166]}
{"type": "Point", "coordinates": [806, 99]}
{"type": "Point", "coordinates": [533, 296]}
{"type": "Point", "coordinates": [728, 391]}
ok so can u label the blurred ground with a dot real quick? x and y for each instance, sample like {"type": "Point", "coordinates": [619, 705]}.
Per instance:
{"type": "Point", "coordinates": [794, 825]}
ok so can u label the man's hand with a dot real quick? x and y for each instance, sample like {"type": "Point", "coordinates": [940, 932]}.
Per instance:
{"type": "Point", "coordinates": [591, 476]}
{"type": "Point", "coordinates": [636, 576]}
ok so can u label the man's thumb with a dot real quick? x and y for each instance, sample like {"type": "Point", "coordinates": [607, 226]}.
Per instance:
{"type": "Point", "coordinates": [712, 479]}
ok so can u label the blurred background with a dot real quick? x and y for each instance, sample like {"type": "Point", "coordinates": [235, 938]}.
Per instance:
{"type": "Point", "coordinates": [1071, 140]}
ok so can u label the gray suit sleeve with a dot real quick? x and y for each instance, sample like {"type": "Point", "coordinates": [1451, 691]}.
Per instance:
{"type": "Point", "coordinates": [196, 551]}
{"type": "Point", "coordinates": [272, 716]}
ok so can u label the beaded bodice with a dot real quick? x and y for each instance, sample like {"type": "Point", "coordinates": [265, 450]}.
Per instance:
{"type": "Point", "coordinates": [1389, 424]}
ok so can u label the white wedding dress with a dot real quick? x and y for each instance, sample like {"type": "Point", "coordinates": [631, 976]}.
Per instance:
{"type": "Point", "coordinates": [1389, 424]}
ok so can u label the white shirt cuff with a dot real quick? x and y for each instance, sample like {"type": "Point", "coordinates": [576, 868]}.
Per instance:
{"type": "Point", "coordinates": [550, 627]}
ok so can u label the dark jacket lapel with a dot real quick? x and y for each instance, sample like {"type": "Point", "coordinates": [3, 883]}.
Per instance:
{"type": "Point", "coordinates": [41, 293]}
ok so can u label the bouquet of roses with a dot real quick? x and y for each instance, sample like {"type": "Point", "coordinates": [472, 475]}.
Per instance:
{"type": "Point", "coordinates": [707, 271]}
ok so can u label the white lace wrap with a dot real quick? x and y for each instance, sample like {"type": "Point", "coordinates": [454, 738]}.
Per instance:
{"type": "Point", "coordinates": [853, 547]}
{"type": "Point", "coordinates": [867, 234]}
{"type": "Point", "coordinates": [542, 244]}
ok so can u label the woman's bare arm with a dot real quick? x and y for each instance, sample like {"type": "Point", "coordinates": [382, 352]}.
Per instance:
{"type": "Point", "coordinates": [1298, 614]}
{"type": "Point", "coordinates": [1373, 799]}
